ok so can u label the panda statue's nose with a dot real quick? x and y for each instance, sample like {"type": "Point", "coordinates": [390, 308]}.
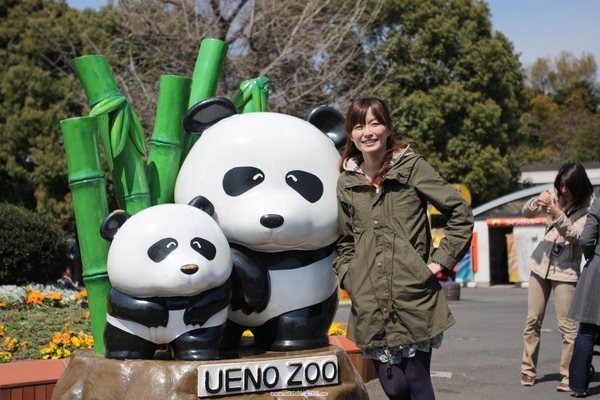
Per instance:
{"type": "Point", "coordinates": [189, 269]}
{"type": "Point", "coordinates": [271, 220]}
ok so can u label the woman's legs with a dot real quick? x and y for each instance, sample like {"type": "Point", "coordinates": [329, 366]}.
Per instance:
{"type": "Point", "coordinates": [410, 380]}
{"type": "Point", "coordinates": [583, 351]}
{"type": "Point", "coordinates": [563, 294]}
{"type": "Point", "coordinates": [538, 294]}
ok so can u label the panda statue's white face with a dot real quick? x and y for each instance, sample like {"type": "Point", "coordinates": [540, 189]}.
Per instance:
{"type": "Point", "coordinates": [271, 178]}
{"type": "Point", "coordinates": [169, 250]}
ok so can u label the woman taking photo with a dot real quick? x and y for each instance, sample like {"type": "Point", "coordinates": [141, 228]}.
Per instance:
{"type": "Point", "coordinates": [387, 262]}
{"type": "Point", "coordinates": [555, 265]}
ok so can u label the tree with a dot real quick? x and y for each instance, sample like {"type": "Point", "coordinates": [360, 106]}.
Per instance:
{"type": "Point", "coordinates": [37, 90]}
{"type": "Point", "coordinates": [455, 88]}
{"type": "Point", "coordinates": [311, 50]}
{"type": "Point", "coordinates": [564, 124]}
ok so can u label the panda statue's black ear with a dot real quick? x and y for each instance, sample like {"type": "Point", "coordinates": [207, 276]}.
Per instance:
{"type": "Point", "coordinates": [204, 204]}
{"type": "Point", "coordinates": [206, 113]}
{"type": "Point", "coordinates": [330, 122]}
{"type": "Point", "coordinates": [111, 224]}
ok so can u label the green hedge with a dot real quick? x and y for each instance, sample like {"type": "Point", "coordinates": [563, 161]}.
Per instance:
{"type": "Point", "coordinates": [32, 247]}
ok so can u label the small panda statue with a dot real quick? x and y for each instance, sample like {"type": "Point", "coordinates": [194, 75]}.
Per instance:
{"type": "Point", "coordinates": [169, 266]}
{"type": "Point", "coordinates": [271, 178]}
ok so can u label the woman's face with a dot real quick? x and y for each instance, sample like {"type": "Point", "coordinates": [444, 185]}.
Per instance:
{"type": "Point", "coordinates": [370, 138]}
{"type": "Point", "coordinates": [565, 193]}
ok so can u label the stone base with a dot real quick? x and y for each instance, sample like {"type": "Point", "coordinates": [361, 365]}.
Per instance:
{"type": "Point", "coordinates": [91, 376]}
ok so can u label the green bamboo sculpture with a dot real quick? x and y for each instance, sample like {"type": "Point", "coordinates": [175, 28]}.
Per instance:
{"type": "Point", "coordinates": [166, 144]}
{"type": "Point", "coordinates": [88, 188]}
{"type": "Point", "coordinates": [121, 132]}
{"type": "Point", "coordinates": [205, 80]}
{"type": "Point", "coordinates": [124, 146]}
{"type": "Point", "coordinates": [252, 96]}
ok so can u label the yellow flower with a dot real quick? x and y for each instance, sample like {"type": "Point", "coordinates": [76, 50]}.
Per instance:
{"type": "Point", "coordinates": [76, 342]}
{"type": "Point", "coordinates": [336, 329]}
{"type": "Point", "coordinates": [25, 345]}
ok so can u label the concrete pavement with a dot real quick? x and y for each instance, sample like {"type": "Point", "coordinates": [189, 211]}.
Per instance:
{"type": "Point", "coordinates": [481, 355]}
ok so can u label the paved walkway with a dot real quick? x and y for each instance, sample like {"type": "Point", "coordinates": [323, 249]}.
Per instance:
{"type": "Point", "coordinates": [480, 357]}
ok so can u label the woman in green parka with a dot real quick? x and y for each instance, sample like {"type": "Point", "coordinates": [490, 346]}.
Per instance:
{"type": "Point", "coordinates": [386, 259]}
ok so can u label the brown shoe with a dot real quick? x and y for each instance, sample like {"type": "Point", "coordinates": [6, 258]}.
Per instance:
{"type": "Point", "coordinates": [563, 387]}
{"type": "Point", "coordinates": [527, 380]}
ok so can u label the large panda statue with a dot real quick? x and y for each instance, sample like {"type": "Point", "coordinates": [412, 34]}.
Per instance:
{"type": "Point", "coordinates": [271, 178]}
{"type": "Point", "coordinates": [169, 266]}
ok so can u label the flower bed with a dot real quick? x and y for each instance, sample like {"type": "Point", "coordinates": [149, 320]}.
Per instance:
{"type": "Point", "coordinates": [42, 322]}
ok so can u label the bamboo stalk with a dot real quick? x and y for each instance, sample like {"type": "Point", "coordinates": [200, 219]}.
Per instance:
{"type": "Point", "coordinates": [121, 132]}
{"type": "Point", "coordinates": [166, 144]}
{"type": "Point", "coordinates": [205, 80]}
{"type": "Point", "coordinates": [90, 203]}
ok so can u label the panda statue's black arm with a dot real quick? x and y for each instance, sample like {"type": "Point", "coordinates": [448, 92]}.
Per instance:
{"type": "Point", "coordinates": [150, 312]}
{"type": "Point", "coordinates": [251, 282]}
{"type": "Point", "coordinates": [203, 306]}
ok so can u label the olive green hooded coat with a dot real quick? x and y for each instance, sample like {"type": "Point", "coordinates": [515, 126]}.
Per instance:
{"type": "Point", "coordinates": [385, 246]}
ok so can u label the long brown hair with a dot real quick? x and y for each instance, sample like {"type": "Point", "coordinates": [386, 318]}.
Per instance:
{"type": "Point", "coordinates": [576, 180]}
{"type": "Point", "coordinates": [357, 115]}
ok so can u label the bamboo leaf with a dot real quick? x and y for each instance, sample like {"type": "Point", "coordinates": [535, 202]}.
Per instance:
{"type": "Point", "coordinates": [243, 95]}
{"type": "Point", "coordinates": [126, 122]}
{"type": "Point", "coordinates": [107, 105]}
{"type": "Point", "coordinates": [137, 133]}
{"type": "Point", "coordinates": [117, 138]}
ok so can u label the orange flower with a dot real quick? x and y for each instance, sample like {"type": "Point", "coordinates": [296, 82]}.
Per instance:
{"type": "Point", "coordinates": [2, 304]}
{"type": "Point", "coordinates": [81, 295]}
{"type": "Point", "coordinates": [57, 338]}
{"type": "Point", "coordinates": [1, 330]}
{"type": "Point", "coordinates": [57, 296]}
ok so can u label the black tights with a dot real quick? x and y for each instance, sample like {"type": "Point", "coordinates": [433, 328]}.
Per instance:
{"type": "Point", "coordinates": [410, 380]}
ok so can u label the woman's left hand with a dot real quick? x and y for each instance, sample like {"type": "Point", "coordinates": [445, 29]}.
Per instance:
{"type": "Point", "coordinates": [434, 267]}
{"type": "Point", "coordinates": [553, 210]}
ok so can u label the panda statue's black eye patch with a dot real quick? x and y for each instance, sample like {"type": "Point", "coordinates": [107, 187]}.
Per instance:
{"type": "Point", "coordinates": [306, 184]}
{"type": "Point", "coordinates": [239, 180]}
{"type": "Point", "coordinates": [161, 249]}
{"type": "Point", "coordinates": [204, 247]}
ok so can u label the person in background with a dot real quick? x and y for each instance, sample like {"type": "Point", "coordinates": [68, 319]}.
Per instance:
{"type": "Point", "coordinates": [585, 306]}
{"type": "Point", "coordinates": [386, 259]}
{"type": "Point", "coordinates": [555, 265]}
{"type": "Point", "coordinates": [66, 279]}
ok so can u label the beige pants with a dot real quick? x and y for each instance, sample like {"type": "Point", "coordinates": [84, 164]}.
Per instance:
{"type": "Point", "coordinates": [539, 293]}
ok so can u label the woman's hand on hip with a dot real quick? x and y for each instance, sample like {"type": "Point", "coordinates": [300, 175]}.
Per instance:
{"type": "Point", "coordinates": [434, 267]}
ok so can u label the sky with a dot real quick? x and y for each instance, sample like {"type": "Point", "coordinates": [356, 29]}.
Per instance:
{"type": "Point", "coordinates": [537, 28]}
